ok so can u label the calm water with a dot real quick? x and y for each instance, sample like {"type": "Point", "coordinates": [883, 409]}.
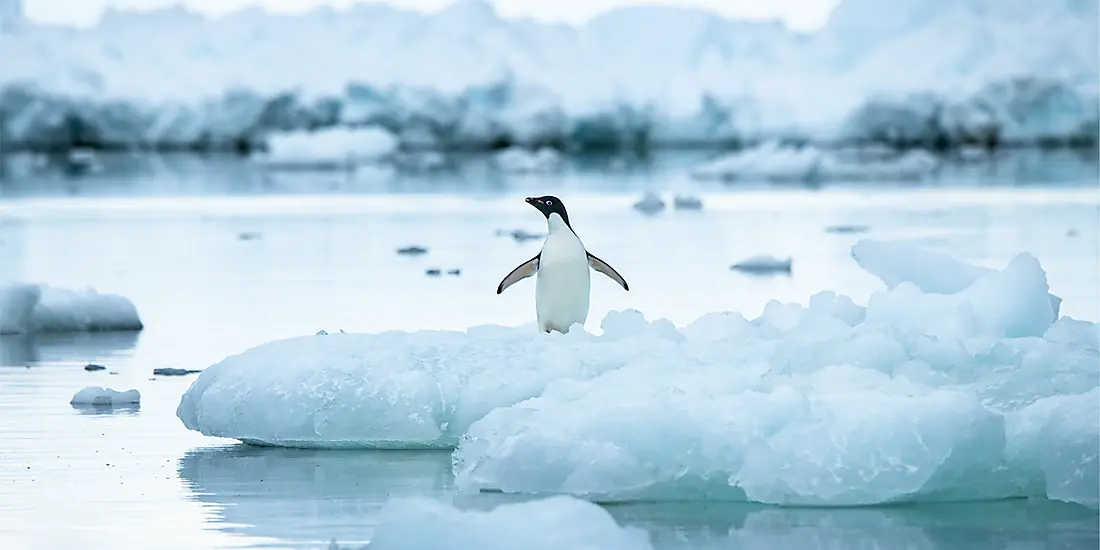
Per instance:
{"type": "Point", "coordinates": [219, 258]}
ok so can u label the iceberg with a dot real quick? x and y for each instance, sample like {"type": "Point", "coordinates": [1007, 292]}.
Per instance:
{"type": "Point", "coordinates": [1019, 71]}
{"type": "Point", "coordinates": [773, 161]}
{"type": "Point", "coordinates": [332, 148]}
{"type": "Point", "coordinates": [521, 161]}
{"type": "Point", "coordinates": [548, 524]}
{"type": "Point", "coordinates": [32, 308]}
{"type": "Point", "coordinates": [977, 391]}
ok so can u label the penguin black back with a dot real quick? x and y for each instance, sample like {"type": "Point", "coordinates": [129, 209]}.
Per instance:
{"type": "Point", "coordinates": [549, 204]}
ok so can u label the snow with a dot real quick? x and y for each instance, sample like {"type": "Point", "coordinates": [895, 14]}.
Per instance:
{"type": "Point", "coordinates": [33, 308]}
{"type": "Point", "coordinates": [929, 72]}
{"type": "Point", "coordinates": [328, 148]}
{"type": "Point", "coordinates": [103, 397]}
{"type": "Point", "coordinates": [773, 161]}
{"type": "Point", "coordinates": [548, 524]}
{"type": "Point", "coordinates": [976, 391]}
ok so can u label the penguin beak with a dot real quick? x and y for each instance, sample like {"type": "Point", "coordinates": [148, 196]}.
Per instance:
{"type": "Point", "coordinates": [533, 201]}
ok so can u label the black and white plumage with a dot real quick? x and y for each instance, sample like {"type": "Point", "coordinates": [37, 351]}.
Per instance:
{"type": "Point", "coordinates": [562, 282]}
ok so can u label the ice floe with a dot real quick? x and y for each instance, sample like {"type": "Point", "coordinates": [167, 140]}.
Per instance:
{"type": "Point", "coordinates": [964, 389]}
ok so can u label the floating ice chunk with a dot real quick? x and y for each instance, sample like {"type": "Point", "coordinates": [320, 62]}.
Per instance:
{"type": "Point", "coordinates": [328, 148]}
{"type": "Point", "coordinates": [830, 404]}
{"type": "Point", "coordinates": [763, 264]}
{"type": "Point", "coordinates": [930, 272]}
{"type": "Point", "coordinates": [651, 203]}
{"type": "Point", "coordinates": [769, 161]}
{"type": "Point", "coordinates": [394, 390]}
{"type": "Point", "coordinates": [551, 524]}
{"type": "Point", "coordinates": [26, 309]}
{"type": "Point", "coordinates": [516, 159]}
{"type": "Point", "coordinates": [773, 161]}
{"type": "Point", "coordinates": [105, 397]}
{"type": "Point", "coordinates": [684, 202]}
{"type": "Point", "coordinates": [912, 165]}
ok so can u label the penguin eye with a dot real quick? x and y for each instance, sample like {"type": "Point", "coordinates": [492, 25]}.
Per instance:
{"type": "Point", "coordinates": [549, 203]}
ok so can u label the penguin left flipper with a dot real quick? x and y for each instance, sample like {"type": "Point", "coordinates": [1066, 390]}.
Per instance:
{"type": "Point", "coordinates": [606, 269]}
{"type": "Point", "coordinates": [521, 272]}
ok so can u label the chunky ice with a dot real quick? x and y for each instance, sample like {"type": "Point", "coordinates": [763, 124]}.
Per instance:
{"type": "Point", "coordinates": [550, 524]}
{"type": "Point", "coordinates": [773, 161]}
{"type": "Point", "coordinates": [978, 391]}
{"type": "Point", "coordinates": [466, 76]}
{"type": "Point", "coordinates": [31, 308]}
{"type": "Point", "coordinates": [105, 397]}
{"type": "Point", "coordinates": [978, 394]}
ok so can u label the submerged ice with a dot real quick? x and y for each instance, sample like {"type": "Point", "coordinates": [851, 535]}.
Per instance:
{"type": "Point", "coordinates": [955, 384]}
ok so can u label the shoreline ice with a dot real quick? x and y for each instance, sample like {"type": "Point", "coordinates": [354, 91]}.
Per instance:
{"type": "Point", "coordinates": [1021, 72]}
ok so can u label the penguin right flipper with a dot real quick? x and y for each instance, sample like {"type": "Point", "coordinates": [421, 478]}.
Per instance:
{"type": "Point", "coordinates": [521, 272]}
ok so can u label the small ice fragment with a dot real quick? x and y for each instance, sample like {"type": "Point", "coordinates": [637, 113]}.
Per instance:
{"type": "Point", "coordinates": [455, 272]}
{"type": "Point", "coordinates": [681, 202]}
{"type": "Point", "coordinates": [412, 250]}
{"type": "Point", "coordinates": [249, 235]}
{"type": "Point", "coordinates": [174, 372]}
{"type": "Point", "coordinates": [651, 203]}
{"type": "Point", "coordinates": [433, 272]}
{"type": "Point", "coordinates": [93, 367]}
{"type": "Point", "coordinates": [847, 229]}
{"type": "Point", "coordinates": [105, 397]}
{"type": "Point", "coordinates": [519, 235]}
{"type": "Point", "coordinates": [763, 264]}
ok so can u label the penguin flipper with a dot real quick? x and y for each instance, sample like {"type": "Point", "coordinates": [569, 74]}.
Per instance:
{"type": "Point", "coordinates": [606, 269]}
{"type": "Point", "coordinates": [521, 272]}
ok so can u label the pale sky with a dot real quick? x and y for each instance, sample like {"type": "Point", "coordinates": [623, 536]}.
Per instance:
{"type": "Point", "coordinates": [798, 14]}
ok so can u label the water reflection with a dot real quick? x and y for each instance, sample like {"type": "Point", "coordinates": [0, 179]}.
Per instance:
{"type": "Point", "coordinates": [1016, 524]}
{"type": "Point", "coordinates": [305, 497]}
{"type": "Point", "coordinates": [1011, 524]}
{"type": "Point", "coordinates": [18, 350]}
{"type": "Point", "coordinates": [128, 409]}
{"type": "Point", "coordinates": [308, 497]}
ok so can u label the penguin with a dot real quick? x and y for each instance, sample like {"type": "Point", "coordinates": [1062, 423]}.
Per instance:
{"type": "Point", "coordinates": [562, 280]}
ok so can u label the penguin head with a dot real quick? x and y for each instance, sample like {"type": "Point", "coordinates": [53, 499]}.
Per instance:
{"type": "Point", "coordinates": [549, 204]}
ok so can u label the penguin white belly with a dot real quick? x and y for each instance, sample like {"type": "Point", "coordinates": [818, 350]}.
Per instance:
{"type": "Point", "coordinates": [562, 284]}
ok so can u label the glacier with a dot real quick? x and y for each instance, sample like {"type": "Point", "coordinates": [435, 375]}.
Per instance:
{"type": "Point", "coordinates": [950, 384]}
{"type": "Point", "coordinates": [923, 73]}
{"type": "Point", "coordinates": [36, 308]}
